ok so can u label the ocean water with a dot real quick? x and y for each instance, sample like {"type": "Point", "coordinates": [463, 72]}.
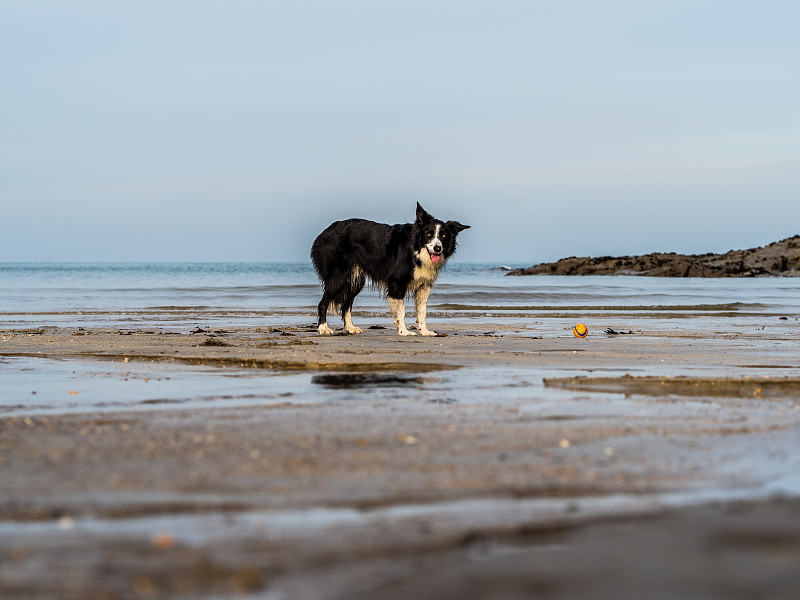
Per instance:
{"type": "Point", "coordinates": [181, 295]}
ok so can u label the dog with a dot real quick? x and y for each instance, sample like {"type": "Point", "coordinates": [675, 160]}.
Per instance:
{"type": "Point", "coordinates": [400, 260]}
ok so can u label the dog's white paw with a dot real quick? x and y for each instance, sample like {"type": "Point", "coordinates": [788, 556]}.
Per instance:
{"type": "Point", "coordinates": [354, 329]}
{"type": "Point", "coordinates": [324, 329]}
{"type": "Point", "coordinates": [427, 332]}
{"type": "Point", "coordinates": [406, 332]}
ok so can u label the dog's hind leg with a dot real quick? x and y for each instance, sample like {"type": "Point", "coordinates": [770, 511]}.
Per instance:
{"type": "Point", "coordinates": [322, 311]}
{"type": "Point", "coordinates": [331, 298]}
{"type": "Point", "coordinates": [352, 289]}
{"type": "Point", "coordinates": [348, 323]}
{"type": "Point", "coordinates": [421, 304]}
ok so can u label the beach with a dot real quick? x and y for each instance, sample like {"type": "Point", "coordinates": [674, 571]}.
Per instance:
{"type": "Point", "coordinates": [199, 439]}
{"type": "Point", "coordinates": [471, 465]}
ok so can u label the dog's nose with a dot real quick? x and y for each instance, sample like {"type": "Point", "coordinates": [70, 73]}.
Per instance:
{"type": "Point", "coordinates": [437, 248]}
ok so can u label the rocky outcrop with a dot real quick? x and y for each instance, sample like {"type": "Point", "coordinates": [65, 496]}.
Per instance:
{"type": "Point", "coordinates": [780, 259]}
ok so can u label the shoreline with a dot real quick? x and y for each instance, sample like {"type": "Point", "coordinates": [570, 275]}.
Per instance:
{"type": "Point", "coordinates": [404, 455]}
{"type": "Point", "coordinates": [515, 343]}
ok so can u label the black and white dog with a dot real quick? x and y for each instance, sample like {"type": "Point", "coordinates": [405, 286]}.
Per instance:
{"type": "Point", "coordinates": [398, 259]}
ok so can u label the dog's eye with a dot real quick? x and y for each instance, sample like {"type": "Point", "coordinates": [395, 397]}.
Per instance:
{"type": "Point", "coordinates": [430, 234]}
{"type": "Point", "coordinates": [442, 235]}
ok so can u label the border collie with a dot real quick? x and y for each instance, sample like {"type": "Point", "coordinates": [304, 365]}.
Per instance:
{"type": "Point", "coordinates": [398, 259]}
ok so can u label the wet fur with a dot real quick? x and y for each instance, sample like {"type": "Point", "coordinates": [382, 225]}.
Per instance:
{"type": "Point", "coordinates": [398, 259]}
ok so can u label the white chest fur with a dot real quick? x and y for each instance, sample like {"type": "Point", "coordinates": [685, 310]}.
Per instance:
{"type": "Point", "coordinates": [424, 274]}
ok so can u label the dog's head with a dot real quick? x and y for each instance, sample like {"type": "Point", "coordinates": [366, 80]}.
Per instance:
{"type": "Point", "coordinates": [435, 238]}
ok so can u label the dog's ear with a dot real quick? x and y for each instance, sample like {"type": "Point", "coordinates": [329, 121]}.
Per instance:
{"type": "Point", "coordinates": [422, 216]}
{"type": "Point", "coordinates": [456, 226]}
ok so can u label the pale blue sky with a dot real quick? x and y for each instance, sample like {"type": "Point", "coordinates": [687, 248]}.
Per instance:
{"type": "Point", "coordinates": [190, 130]}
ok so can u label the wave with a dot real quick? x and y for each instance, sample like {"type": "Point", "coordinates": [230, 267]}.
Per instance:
{"type": "Point", "coordinates": [730, 307]}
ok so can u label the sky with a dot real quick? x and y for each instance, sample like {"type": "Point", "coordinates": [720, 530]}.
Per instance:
{"type": "Point", "coordinates": [237, 131]}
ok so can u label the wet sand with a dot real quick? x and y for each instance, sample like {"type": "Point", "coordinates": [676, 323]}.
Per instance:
{"type": "Point", "coordinates": [662, 463]}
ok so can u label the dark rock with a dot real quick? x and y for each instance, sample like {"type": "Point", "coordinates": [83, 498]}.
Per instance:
{"type": "Point", "coordinates": [780, 259]}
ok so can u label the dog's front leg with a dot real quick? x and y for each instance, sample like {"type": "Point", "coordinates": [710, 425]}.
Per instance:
{"type": "Point", "coordinates": [421, 304]}
{"type": "Point", "coordinates": [398, 307]}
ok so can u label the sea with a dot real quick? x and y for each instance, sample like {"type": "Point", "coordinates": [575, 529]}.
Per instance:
{"type": "Point", "coordinates": [181, 295]}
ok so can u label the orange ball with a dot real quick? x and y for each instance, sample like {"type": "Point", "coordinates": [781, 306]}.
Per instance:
{"type": "Point", "coordinates": [580, 330]}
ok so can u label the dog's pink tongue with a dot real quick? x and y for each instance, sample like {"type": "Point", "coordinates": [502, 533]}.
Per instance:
{"type": "Point", "coordinates": [435, 258]}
